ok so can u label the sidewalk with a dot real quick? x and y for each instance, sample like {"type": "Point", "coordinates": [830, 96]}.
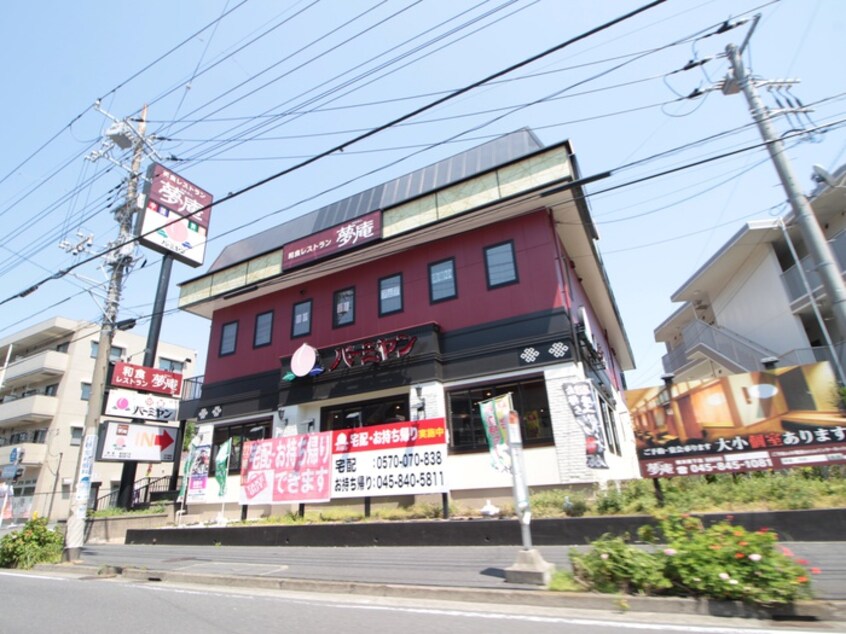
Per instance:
{"type": "Point", "coordinates": [435, 572]}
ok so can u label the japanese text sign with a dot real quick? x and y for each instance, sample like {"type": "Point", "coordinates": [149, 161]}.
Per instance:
{"type": "Point", "coordinates": [138, 377]}
{"type": "Point", "coordinates": [291, 469]}
{"type": "Point", "coordinates": [120, 441]}
{"type": "Point", "coordinates": [356, 232]}
{"type": "Point", "coordinates": [171, 221]}
{"type": "Point", "coordinates": [772, 419]}
{"type": "Point", "coordinates": [131, 404]}
{"type": "Point", "coordinates": [391, 459]}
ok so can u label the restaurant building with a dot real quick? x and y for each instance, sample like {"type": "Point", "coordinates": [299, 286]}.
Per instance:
{"type": "Point", "coordinates": [416, 299]}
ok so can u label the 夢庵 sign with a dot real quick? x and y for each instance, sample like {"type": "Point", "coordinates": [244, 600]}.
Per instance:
{"type": "Point", "coordinates": [144, 379]}
{"type": "Point", "coordinates": [171, 221]}
{"type": "Point", "coordinates": [356, 232]}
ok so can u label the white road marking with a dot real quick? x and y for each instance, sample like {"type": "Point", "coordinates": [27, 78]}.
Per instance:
{"type": "Point", "coordinates": [33, 576]}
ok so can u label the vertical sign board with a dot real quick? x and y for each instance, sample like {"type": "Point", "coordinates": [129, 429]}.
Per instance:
{"type": "Point", "coordinates": [199, 476]}
{"type": "Point", "coordinates": [170, 221]}
{"type": "Point", "coordinates": [392, 459]}
{"type": "Point", "coordinates": [582, 402]}
{"type": "Point", "coordinates": [86, 470]}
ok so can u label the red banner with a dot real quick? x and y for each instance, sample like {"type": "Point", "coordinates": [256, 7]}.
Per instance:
{"type": "Point", "coordinates": [144, 379]}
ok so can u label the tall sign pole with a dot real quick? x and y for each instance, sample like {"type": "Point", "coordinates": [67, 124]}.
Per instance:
{"type": "Point", "coordinates": [118, 261]}
{"type": "Point", "coordinates": [812, 234]}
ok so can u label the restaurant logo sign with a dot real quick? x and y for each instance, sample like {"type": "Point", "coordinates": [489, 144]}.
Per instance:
{"type": "Point", "coordinates": [306, 361]}
{"type": "Point", "coordinates": [367, 228]}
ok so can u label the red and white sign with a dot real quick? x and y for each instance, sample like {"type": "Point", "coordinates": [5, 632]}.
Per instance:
{"type": "Point", "coordinates": [356, 232]}
{"type": "Point", "coordinates": [139, 377]}
{"type": "Point", "coordinates": [136, 405]}
{"type": "Point", "coordinates": [172, 198]}
{"type": "Point", "coordinates": [393, 459]}
{"type": "Point", "coordinates": [138, 442]}
{"type": "Point", "coordinates": [292, 469]}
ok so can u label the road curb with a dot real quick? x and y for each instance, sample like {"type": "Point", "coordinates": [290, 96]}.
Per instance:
{"type": "Point", "coordinates": [831, 611]}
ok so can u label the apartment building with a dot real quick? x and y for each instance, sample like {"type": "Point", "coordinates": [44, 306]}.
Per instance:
{"type": "Point", "coordinates": [416, 299]}
{"type": "Point", "coordinates": [44, 397]}
{"type": "Point", "coordinates": [759, 298]}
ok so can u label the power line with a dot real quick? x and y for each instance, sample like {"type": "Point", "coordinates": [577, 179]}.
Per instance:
{"type": "Point", "coordinates": [361, 137]}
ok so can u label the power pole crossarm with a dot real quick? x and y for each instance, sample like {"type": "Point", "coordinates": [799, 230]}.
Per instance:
{"type": "Point", "coordinates": [812, 233]}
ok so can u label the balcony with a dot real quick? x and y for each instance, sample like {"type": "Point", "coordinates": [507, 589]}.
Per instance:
{"type": "Point", "coordinates": [37, 368]}
{"type": "Point", "coordinates": [35, 408]}
{"type": "Point", "coordinates": [793, 280]}
{"type": "Point", "coordinates": [34, 453]}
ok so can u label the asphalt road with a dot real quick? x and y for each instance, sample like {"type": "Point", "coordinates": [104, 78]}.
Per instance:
{"type": "Point", "coordinates": [466, 567]}
{"type": "Point", "coordinates": [34, 602]}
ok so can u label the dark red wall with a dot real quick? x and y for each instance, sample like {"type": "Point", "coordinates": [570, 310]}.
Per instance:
{"type": "Point", "coordinates": [538, 289]}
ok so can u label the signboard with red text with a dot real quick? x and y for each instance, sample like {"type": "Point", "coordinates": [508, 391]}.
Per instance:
{"type": "Point", "coordinates": [291, 469]}
{"type": "Point", "coordinates": [121, 441]}
{"type": "Point", "coordinates": [407, 458]}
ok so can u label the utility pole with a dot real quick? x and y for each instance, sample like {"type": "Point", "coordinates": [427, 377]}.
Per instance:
{"type": "Point", "coordinates": [809, 227]}
{"type": "Point", "coordinates": [118, 261]}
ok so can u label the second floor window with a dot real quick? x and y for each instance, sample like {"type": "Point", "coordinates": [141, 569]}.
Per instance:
{"type": "Point", "coordinates": [264, 329]}
{"type": "Point", "coordinates": [344, 303]}
{"type": "Point", "coordinates": [442, 281]}
{"type": "Point", "coordinates": [500, 264]}
{"type": "Point", "coordinates": [301, 319]}
{"type": "Point", "coordinates": [228, 338]}
{"type": "Point", "coordinates": [115, 352]}
{"type": "Point", "coordinates": [390, 294]}
{"type": "Point", "coordinates": [85, 394]}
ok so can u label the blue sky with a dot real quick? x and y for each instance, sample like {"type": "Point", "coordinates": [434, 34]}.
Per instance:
{"type": "Point", "coordinates": [273, 83]}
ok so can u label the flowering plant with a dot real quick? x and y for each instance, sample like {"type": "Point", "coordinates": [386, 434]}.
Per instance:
{"type": "Point", "coordinates": [33, 544]}
{"type": "Point", "coordinates": [723, 561]}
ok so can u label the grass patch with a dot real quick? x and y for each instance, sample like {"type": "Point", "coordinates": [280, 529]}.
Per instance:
{"type": "Point", "coordinates": [563, 581]}
{"type": "Point", "coordinates": [119, 512]}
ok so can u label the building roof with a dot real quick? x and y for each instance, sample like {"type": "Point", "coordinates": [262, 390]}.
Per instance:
{"type": "Point", "coordinates": [451, 170]}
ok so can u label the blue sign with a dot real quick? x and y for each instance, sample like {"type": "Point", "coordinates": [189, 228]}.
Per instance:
{"type": "Point", "coordinates": [13, 455]}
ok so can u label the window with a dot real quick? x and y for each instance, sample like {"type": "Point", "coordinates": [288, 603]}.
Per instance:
{"type": "Point", "coordinates": [63, 347]}
{"type": "Point", "coordinates": [171, 365]}
{"type": "Point", "coordinates": [363, 414]}
{"type": "Point", "coordinates": [390, 294]}
{"type": "Point", "coordinates": [228, 337]}
{"type": "Point", "coordinates": [529, 398]}
{"type": "Point", "coordinates": [86, 392]}
{"type": "Point", "coordinates": [115, 352]}
{"type": "Point", "coordinates": [39, 436]}
{"type": "Point", "coordinates": [609, 424]}
{"type": "Point", "coordinates": [76, 436]}
{"type": "Point", "coordinates": [51, 390]}
{"type": "Point", "coordinates": [500, 264]}
{"type": "Point", "coordinates": [301, 319]}
{"type": "Point", "coordinates": [442, 281]}
{"type": "Point", "coordinates": [256, 430]}
{"type": "Point", "coordinates": [344, 304]}
{"type": "Point", "coordinates": [264, 329]}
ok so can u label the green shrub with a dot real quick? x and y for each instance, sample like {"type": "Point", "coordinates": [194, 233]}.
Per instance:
{"type": "Point", "coordinates": [613, 565]}
{"type": "Point", "coordinates": [609, 502]}
{"type": "Point", "coordinates": [33, 544]}
{"type": "Point", "coordinates": [722, 561]}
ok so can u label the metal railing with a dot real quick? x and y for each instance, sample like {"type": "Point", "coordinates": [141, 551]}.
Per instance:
{"type": "Point", "coordinates": [192, 388]}
{"type": "Point", "coordinates": [744, 353]}
{"type": "Point", "coordinates": [142, 493]}
{"type": "Point", "coordinates": [793, 280]}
